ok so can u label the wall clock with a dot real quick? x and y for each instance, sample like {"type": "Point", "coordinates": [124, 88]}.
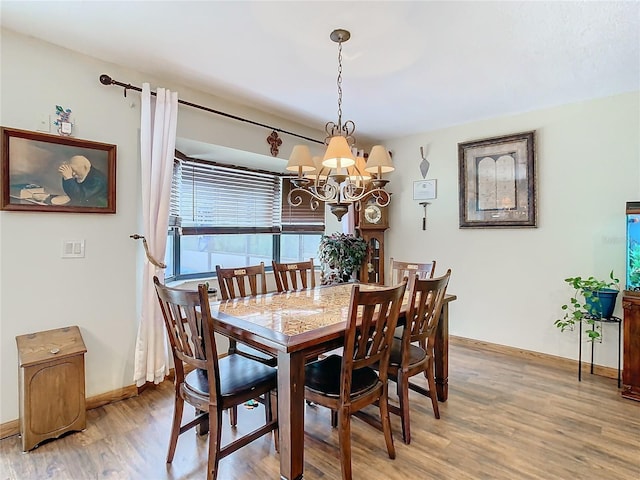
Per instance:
{"type": "Point", "coordinates": [373, 215]}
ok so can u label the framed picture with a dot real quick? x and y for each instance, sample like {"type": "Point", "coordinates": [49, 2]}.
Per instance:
{"type": "Point", "coordinates": [424, 190]}
{"type": "Point", "coordinates": [51, 173]}
{"type": "Point", "coordinates": [497, 182]}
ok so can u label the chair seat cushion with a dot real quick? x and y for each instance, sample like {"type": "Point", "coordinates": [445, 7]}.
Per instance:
{"type": "Point", "coordinates": [416, 354]}
{"type": "Point", "coordinates": [237, 375]}
{"type": "Point", "coordinates": [323, 377]}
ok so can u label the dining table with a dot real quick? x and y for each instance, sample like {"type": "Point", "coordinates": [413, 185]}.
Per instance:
{"type": "Point", "coordinates": [298, 326]}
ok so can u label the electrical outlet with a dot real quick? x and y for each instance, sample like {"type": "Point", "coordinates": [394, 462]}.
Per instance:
{"type": "Point", "coordinates": [44, 123]}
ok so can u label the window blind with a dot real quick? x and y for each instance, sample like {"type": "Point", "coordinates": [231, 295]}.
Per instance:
{"type": "Point", "coordinates": [215, 199]}
{"type": "Point", "coordinates": [302, 217]}
{"type": "Point", "coordinates": [174, 200]}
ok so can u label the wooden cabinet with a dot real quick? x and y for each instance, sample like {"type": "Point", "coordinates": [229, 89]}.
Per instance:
{"type": "Point", "coordinates": [631, 345]}
{"type": "Point", "coordinates": [51, 382]}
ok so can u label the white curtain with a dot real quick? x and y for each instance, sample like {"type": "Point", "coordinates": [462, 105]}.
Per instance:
{"type": "Point", "coordinates": [157, 147]}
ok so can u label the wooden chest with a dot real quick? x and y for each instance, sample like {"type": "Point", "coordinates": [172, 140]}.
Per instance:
{"type": "Point", "coordinates": [51, 382]}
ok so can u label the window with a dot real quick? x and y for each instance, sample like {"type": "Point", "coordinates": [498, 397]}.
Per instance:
{"type": "Point", "coordinates": [232, 217]}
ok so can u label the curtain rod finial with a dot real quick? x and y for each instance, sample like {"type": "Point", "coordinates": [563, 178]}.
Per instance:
{"type": "Point", "coordinates": [105, 79]}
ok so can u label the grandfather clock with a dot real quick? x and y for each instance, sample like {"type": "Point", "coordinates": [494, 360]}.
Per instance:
{"type": "Point", "coordinates": [373, 220]}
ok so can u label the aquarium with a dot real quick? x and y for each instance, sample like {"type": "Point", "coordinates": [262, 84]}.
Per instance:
{"type": "Point", "coordinates": [633, 246]}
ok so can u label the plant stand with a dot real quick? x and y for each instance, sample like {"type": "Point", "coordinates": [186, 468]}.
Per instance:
{"type": "Point", "coordinates": [616, 320]}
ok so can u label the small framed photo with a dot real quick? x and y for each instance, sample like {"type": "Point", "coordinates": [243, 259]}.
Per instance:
{"type": "Point", "coordinates": [424, 190]}
{"type": "Point", "coordinates": [497, 182]}
{"type": "Point", "coordinates": [51, 173]}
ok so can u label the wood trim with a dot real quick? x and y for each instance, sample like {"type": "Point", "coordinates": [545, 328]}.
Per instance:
{"type": "Point", "coordinates": [112, 396]}
{"type": "Point", "coordinates": [9, 428]}
{"type": "Point", "coordinates": [551, 360]}
{"type": "Point", "coordinates": [13, 427]}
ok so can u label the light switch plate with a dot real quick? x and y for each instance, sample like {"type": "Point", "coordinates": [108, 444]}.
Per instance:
{"type": "Point", "coordinates": [73, 249]}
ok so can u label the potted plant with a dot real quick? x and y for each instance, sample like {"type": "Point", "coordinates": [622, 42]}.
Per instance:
{"type": "Point", "coordinates": [593, 299]}
{"type": "Point", "coordinates": [341, 254]}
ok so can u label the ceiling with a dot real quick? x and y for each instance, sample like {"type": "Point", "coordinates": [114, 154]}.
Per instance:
{"type": "Point", "coordinates": [409, 67]}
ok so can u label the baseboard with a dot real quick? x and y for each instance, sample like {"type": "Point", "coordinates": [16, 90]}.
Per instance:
{"type": "Point", "coordinates": [559, 362]}
{"type": "Point", "coordinates": [13, 427]}
{"type": "Point", "coordinates": [112, 396]}
{"type": "Point", "coordinates": [9, 428]}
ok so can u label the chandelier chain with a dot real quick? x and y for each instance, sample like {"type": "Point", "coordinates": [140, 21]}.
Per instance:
{"type": "Point", "coordinates": [339, 82]}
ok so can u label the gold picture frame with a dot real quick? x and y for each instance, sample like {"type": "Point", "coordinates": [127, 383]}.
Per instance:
{"type": "Point", "coordinates": [497, 182]}
{"type": "Point", "coordinates": [51, 173]}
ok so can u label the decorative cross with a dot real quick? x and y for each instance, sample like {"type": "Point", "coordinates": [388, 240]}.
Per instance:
{"type": "Point", "coordinates": [275, 142]}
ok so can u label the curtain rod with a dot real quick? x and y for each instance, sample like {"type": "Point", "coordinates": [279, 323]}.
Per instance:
{"type": "Point", "coordinates": [107, 80]}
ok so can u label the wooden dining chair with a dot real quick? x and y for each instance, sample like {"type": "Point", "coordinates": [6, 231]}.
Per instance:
{"type": "Point", "coordinates": [348, 383]}
{"type": "Point", "coordinates": [399, 270]}
{"type": "Point", "coordinates": [408, 359]}
{"type": "Point", "coordinates": [243, 282]}
{"type": "Point", "coordinates": [213, 384]}
{"type": "Point", "coordinates": [411, 270]}
{"type": "Point", "coordinates": [293, 276]}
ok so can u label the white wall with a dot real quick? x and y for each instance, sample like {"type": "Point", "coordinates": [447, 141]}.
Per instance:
{"type": "Point", "coordinates": [40, 290]}
{"type": "Point", "coordinates": [510, 282]}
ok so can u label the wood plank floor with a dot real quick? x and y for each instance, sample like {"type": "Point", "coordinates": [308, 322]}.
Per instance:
{"type": "Point", "coordinates": [506, 418]}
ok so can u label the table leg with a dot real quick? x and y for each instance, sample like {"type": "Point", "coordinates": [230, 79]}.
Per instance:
{"type": "Point", "coordinates": [291, 414]}
{"type": "Point", "coordinates": [441, 354]}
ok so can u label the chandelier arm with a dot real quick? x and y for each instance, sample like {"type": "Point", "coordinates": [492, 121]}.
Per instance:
{"type": "Point", "coordinates": [295, 200]}
{"type": "Point", "coordinates": [314, 204]}
{"type": "Point", "coordinates": [382, 197]}
{"type": "Point", "coordinates": [351, 192]}
{"type": "Point", "coordinates": [324, 193]}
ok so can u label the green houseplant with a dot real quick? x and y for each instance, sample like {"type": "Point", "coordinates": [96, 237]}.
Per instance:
{"type": "Point", "coordinates": [592, 299]}
{"type": "Point", "coordinates": [341, 254]}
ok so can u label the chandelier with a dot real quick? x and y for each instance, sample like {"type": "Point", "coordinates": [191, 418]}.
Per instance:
{"type": "Point", "coordinates": [342, 176]}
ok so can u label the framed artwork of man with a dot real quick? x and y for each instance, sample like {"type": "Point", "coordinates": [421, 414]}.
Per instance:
{"type": "Point", "coordinates": [51, 173]}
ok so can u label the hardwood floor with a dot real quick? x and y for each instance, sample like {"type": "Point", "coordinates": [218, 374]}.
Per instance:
{"type": "Point", "coordinates": [507, 417]}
